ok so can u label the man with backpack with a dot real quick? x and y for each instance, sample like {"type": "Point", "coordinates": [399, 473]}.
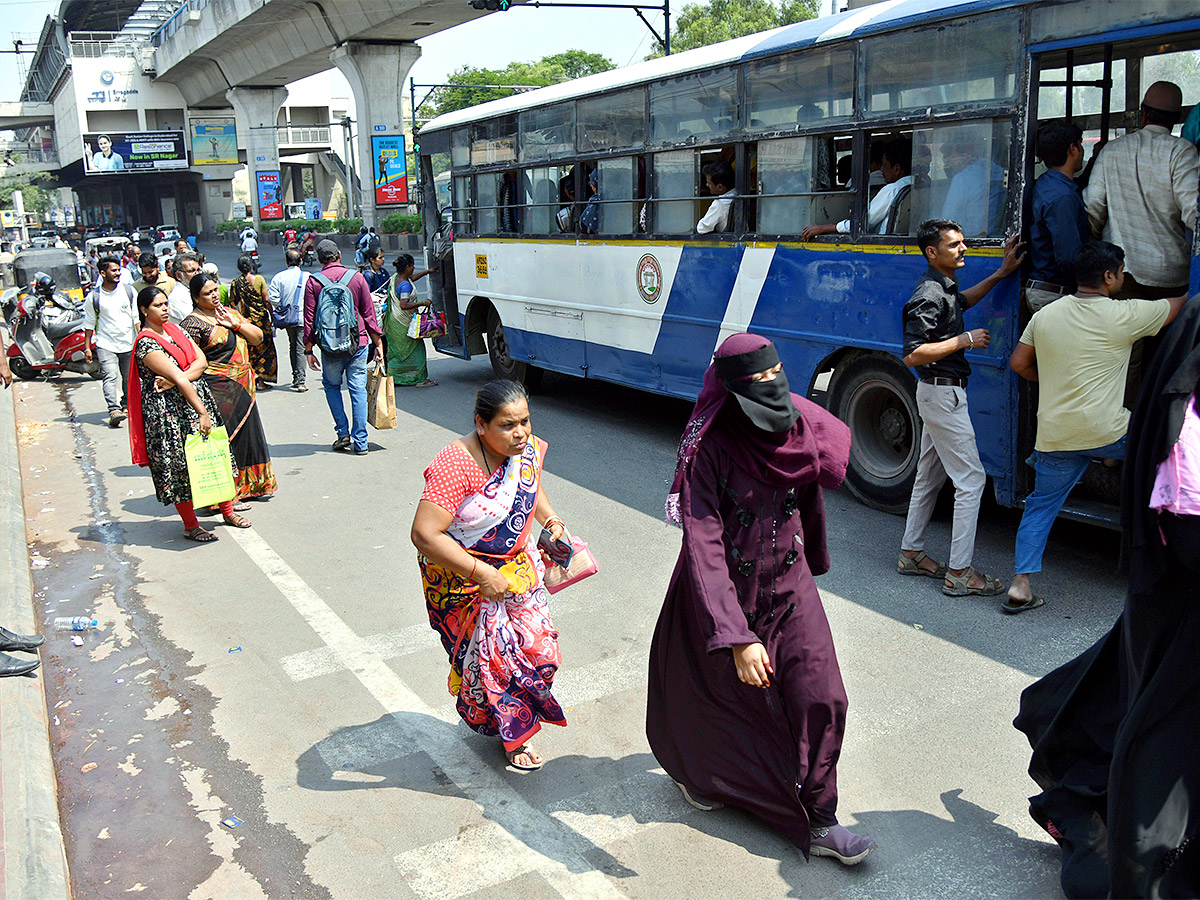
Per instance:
{"type": "Point", "coordinates": [110, 314]}
{"type": "Point", "coordinates": [339, 318]}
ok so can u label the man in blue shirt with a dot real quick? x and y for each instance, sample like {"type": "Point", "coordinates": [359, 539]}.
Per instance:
{"type": "Point", "coordinates": [1059, 227]}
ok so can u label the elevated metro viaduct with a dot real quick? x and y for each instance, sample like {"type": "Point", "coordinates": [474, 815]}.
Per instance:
{"type": "Point", "coordinates": [244, 51]}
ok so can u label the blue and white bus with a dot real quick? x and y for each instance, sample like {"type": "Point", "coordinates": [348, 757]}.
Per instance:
{"type": "Point", "coordinates": [571, 245]}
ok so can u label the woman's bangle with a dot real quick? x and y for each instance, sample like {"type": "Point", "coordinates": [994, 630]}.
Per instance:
{"type": "Point", "coordinates": [550, 521]}
{"type": "Point", "coordinates": [471, 577]}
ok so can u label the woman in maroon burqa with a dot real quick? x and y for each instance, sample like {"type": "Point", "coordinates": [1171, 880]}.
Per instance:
{"type": "Point", "coordinates": [746, 705]}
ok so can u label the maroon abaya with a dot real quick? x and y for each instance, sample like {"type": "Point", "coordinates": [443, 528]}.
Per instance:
{"type": "Point", "coordinates": [753, 538]}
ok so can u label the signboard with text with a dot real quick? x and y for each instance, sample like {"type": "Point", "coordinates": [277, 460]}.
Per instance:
{"type": "Point", "coordinates": [270, 196]}
{"type": "Point", "coordinates": [214, 141]}
{"type": "Point", "coordinates": [391, 171]}
{"type": "Point", "coordinates": [105, 153]}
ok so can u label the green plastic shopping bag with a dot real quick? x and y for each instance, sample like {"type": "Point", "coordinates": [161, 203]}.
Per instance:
{"type": "Point", "coordinates": [209, 467]}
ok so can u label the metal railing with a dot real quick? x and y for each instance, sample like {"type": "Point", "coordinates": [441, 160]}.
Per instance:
{"type": "Point", "coordinates": [95, 44]}
{"type": "Point", "coordinates": [176, 21]}
{"type": "Point", "coordinates": [18, 152]}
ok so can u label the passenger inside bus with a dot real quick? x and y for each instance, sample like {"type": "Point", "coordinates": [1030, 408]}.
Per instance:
{"type": "Point", "coordinates": [509, 203]}
{"type": "Point", "coordinates": [882, 214]}
{"type": "Point", "coordinates": [973, 176]}
{"type": "Point", "coordinates": [718, 179]}
{"type": "Point", "coordinates": [566, 199]}
{"type": "Point", "coordinates": [876, 180]}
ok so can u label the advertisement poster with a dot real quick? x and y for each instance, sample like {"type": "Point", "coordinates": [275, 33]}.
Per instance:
{"type": "Point", "coordinates": [133, 151]}
{"type": "Point", "coordinates": [391, 175]}
{"type": "Point", "coordinates": [214, 141]}
{"type": "Point", "coordinates": [312, 208]}
{"type": "Point", "coordinates": [270, 200]}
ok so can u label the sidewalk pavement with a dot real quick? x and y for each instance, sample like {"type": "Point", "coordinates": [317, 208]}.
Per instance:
{"type": "Point", "coordinates": [33, 860]}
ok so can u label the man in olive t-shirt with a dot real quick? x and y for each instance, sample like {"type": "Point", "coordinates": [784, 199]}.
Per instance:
{"type": "Point", "coordinates": [1077, 349]}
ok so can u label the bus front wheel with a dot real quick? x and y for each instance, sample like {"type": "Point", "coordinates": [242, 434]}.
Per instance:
{"type": "Point", "coordinates": [504, 365]}
{"type": "Point", "coordinates": [877, 398]}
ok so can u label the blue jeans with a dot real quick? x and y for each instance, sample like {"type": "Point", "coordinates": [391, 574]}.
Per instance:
{"type": "Point", "coordinates": [1057, 473]}
{"type": "Point", "coordinates": [355, 369]}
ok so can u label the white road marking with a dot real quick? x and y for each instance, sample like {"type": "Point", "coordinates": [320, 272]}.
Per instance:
{"type": "Point", "coordinates": [751, 276]}
{"type": "Point", "coordinates": [538, 842]}
{"type": "Point", "coordinates": [389, 645]}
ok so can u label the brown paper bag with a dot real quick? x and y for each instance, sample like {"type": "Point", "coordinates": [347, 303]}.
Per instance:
{"type": "Point", "coordinates": [381, 399]}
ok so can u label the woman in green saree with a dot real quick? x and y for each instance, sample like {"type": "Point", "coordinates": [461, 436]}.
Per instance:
{"type": "Point", "coordinates": [405, 355]}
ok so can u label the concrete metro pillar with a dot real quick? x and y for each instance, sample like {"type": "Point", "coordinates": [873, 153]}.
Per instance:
{"type": "Point", "coordinates": [258, 110]}
{"type": "Point", "coordinates": [377, 73]}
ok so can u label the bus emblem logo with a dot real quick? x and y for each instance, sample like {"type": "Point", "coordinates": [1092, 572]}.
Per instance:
{"type": "Point", "coordinates": [649, 278]}
{"type": "Point", "coordinates": [481, 265]}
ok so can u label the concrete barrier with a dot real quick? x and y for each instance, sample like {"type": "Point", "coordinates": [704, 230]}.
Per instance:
{"type": "Point", "coordinates": [35, 860]}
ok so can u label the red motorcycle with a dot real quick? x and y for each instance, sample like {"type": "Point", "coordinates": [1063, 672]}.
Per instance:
{"type": "Point", "coordinates": [47, 331]}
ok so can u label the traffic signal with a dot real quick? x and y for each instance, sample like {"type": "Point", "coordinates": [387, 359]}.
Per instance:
{"type": "Point", "coordinates": [492, 5]}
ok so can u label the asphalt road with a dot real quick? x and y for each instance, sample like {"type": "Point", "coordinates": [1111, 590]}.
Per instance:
{"type": "Point", "coordinates": [286, 675]}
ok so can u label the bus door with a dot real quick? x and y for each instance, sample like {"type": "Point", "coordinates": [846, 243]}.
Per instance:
{"type": "Point", "coordinates": [438, 222]}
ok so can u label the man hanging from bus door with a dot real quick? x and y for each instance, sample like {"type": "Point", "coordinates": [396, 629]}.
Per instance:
{"type": "Point", "coordinates": [935, 344]}
{"type": "Point", "coordinates": [1077, 350]}
{"type": "Point", "coordinates": [1059, 226]}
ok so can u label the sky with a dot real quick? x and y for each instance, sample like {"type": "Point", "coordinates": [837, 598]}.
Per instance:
{"type": "Point", "coordinates": [492, 41]}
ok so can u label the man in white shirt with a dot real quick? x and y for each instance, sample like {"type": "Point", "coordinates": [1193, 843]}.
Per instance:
{"type": "Point", "coordinates": [718, 178]}
{"type": "Point", "coordinates": [246, 232]}
{"type": "Point", "coordinates": [249, 243]}
{"type": "Point", "coordinates": [179, 302]}
{"type": "Point", "coordinates": [110, 314]}
{"type": "Point", "coordinates": [1142, 197]}
{"type": "Point", "coordinates": [286, 295]}
{"type": "Point", "coordinates": [897, 173]}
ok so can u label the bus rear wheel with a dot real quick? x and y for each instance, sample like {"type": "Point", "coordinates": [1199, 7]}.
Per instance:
{"type": "Point", "coordinates": [877, 398]}
{"type": "Point", "coordinates": [504, 365]}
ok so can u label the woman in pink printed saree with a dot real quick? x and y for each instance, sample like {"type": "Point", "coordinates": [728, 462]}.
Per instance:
{"type": "Point", "coordinates": [477, 547]}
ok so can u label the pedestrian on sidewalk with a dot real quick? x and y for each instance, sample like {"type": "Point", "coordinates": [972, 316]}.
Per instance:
{"type": "Point", "coordinates": [475, 532]}
{"type": "Point", "coordinates": [405, 355]}
{"type": "Point", "coordinates": [1077, 351]}
{"type": "Point", "coordinates": [109, 315]}
{"type": "Point", "coordinates": [170, 400]}
{"type": "Point", "coordinates": [354, 365]}
{"type": "Point", "coordinates": [746, 705]}
{"type": "Point", "coordinates": [225, 337]}
{"type": "Point", "coordinates": [935, 344]}
{"type": "Point", "coordinates": [1114, 731]}
{"type": "Point", "coordinates": [248, 295]}
{"type": "Point", "coordinates": [286, 295]}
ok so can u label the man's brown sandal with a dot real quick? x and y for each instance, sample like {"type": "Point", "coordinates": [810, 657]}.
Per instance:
{"type": "Point", "coordinates": [960, 585]}
{"type": "Point", "coordinates": [912, 566]}
{"type": "Point", "coordinates": [199, 535]}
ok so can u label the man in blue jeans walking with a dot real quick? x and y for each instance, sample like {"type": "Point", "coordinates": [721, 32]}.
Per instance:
{"type": "Point", "coordinates": [354, 367]}
{"type": "Point", "coordinates": [1077, 349]}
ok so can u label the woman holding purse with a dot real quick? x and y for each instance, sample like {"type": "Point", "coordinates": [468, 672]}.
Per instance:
{"type": "Point", "coordinates": [168, 400]}
{"type": "Point", "coordinates": [405, 355]}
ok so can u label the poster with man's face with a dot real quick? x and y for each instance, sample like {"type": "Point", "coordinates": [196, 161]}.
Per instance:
{"type": "Point", "coordinates": [133, 151]}
{"type": "Point", "coordinates": [270, 205]}
{"type": "Point", "coordinates": [391, 170]}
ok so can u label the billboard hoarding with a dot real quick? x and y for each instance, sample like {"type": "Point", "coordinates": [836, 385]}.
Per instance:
{"type": "Point", "coordinates": [391, 170]}
{"type": "Point", "coordinates": [312, 208]}
{"type": "Point", "coordinates": [105, 153]}
{"type": "Point", "coordinates": [214, 141]}
{"type": "Point", "coordinates": [270, 199]}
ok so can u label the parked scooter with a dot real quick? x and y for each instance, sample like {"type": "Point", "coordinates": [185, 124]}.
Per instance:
{"type": "Point", "coordinates": [47, 331]}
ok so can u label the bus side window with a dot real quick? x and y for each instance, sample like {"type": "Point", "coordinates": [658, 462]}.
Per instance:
{"type": "Point", "coordinates": [797, 184]}
{"type": "Point", "coordinates": [541, 189]}
{"type": "Point", "coordinates": [716, 176]}
{"type": "Point", "coordinates": [673, 209]}
{"type": "Point", "coordinates": [486, 195]}
{"type": "Point", "coordinates": [617, 182]}
{"type": "Point", "coordinates": [967, 175]}
{"type": "Point", "coordinates": [462, 204]}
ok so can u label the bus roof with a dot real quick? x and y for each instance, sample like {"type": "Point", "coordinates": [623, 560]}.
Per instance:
{"type": "Point", "coordinates": [884, 16]}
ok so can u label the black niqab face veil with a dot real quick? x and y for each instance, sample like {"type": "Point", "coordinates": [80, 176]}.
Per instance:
{"type": "Point", "coordinates": [767, 404]}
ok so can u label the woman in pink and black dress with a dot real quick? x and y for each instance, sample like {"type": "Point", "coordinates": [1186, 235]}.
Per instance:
{"type": "Point", "coordinates": [746, 705]}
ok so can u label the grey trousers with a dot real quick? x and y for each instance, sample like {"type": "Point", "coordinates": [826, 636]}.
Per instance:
{"type": "Point", "coordinates": [295, 334]}
{"type": "Point", "coordinates": [948, 448]}
{"type": "Point", "coordinates": [114, 369]}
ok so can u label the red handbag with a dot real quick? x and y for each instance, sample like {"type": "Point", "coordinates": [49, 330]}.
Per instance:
{"type": "Point", "coordinates": [583, 565]}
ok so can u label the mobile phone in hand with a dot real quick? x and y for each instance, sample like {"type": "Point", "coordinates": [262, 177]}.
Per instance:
{"type": "Point", "coordinates": [559, 551]}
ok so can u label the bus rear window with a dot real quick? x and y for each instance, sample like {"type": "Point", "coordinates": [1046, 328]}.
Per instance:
{"type": "Point", "coordinates": [969, 61]}
{"type": "Point", "coordinates": [701, 105]}
{"type": "Point", "coordinates": [799, 89]}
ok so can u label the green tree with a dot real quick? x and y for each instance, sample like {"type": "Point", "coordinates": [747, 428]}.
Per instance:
{"type": "Point", "coordinates": [713, 21]}
{"type": "Point", "coordinates": [35, 197]}
{"type": "Point", "coordinates": [464, 86]}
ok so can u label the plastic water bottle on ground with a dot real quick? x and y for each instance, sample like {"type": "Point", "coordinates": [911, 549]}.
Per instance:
{"type": "Point", "coordinates": [74, 623]}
